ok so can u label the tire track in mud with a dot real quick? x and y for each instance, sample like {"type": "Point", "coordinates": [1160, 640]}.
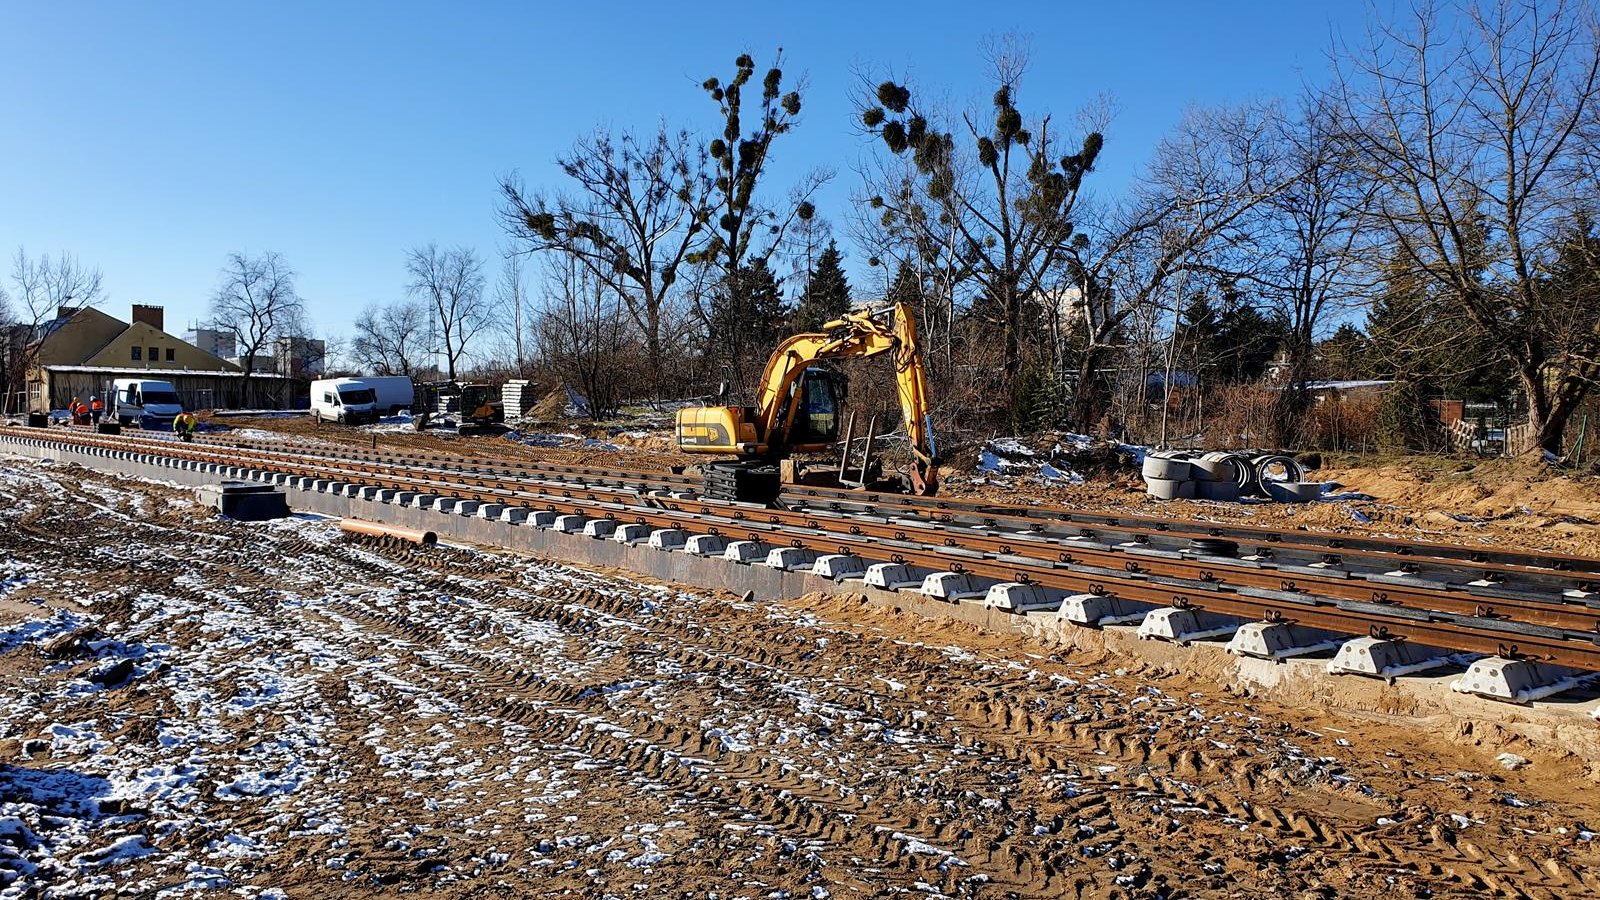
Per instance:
{"type": "Point", "coordinates": [1017, 734]}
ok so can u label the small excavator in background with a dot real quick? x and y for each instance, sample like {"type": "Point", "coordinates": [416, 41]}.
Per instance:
{"type": "Point", "coordinates": [798, 409]}
{"type": "Point", "coordinates": [476, 407]}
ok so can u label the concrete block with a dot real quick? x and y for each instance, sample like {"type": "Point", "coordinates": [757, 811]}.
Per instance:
{"type": "Point", "coordinates": [1280, 640]}
{"type": "Point", "coordinates": [543, 518]}
{"type": "Point", "coordinates": [572, 523]}
{"type": "Point", "coordinates": [706, 545]}
{"type": "Point", "coordinates": [790, 559]}
{"type": "Point", "coordinates": [668, 538]}
{"type": "Point", "coordinates": [244, 501]}
{"type": "Point", "coordinates": [1165, 468]}
{"type": "Point", "coordinates": [599, 528]}
{"type": "Point", "coordinates": [952, 586]}
{"type": "Point", "coordinates": [1224, 491]}
{"type": "Point", "coordinates": [893, 576]}
{"type": "Point", "coordinates": [468, 507]}
{"type": "Point", "coordinates": [1293, 491]}
{"type": "Point", "coordinates": [1019, 597]}
{"type": "Point", "coordinates": [839, 566]}
{"type": "Point", "coordinates": [514, 515]}
{"type": "Point", "coordinates": [747, 551]}
{"type": "Point", "coordinates": [445, 504]}
{"type": "Point", "coordinates": [490, 511]}
{"type": "Point", "coordinates": [1100, 610]}
{"type": "Point", "coordinates": [1180, 626]}
{"type": "Point", "coordinates": [1385, 658]}
{"type": "Point", "coordinates": [1168, 489]}
{"type": "Point", "coordinates": [423, 501]}
{"type": "Point", "coordinates": [1515, 680]}
{"type": "Point", "coordinates": [631, 533]}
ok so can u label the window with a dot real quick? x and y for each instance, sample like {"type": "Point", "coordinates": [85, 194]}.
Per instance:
{"type": "Point", "coordinates": [171, 354]}
{"type": "Point", "coordinates": [138, 353]}
{"type": "Point", "coordinates": [155, 354]}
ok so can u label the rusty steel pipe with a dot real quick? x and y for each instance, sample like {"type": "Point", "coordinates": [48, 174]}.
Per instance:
{"type": "Point", "coordinates": [378, 529]}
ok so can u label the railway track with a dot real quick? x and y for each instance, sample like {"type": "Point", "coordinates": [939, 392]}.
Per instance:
{"type": "Point", "coordinates": [1503, 603]}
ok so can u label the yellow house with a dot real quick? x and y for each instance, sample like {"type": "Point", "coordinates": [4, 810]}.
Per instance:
{"type": "Point", "coordinates": [84, 350]}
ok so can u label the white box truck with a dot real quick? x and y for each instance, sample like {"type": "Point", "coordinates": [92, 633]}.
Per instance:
{"type": "Point", "coordinates": [348, 401]}
{"type": "Point", "coordinates": [392, 392]}
{"type": "Point", "coordinates": [150, 404]}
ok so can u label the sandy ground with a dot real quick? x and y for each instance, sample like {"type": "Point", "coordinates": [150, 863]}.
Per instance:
{"type": "Point", "coordinates": [208, 708]}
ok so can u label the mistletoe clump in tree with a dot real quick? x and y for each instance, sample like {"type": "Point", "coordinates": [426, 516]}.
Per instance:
{"type": "Point", "coordinates": [746, 232]}
{"type": "Point", "coordinates": [1006, 189]}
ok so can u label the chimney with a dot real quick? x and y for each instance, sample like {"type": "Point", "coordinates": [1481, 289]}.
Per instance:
{"type": "Point", "coordinates": [150, 315]}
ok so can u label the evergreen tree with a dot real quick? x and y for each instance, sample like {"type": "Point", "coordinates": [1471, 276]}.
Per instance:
{"type": "Point", "coordinates": [1231, 342]}
{"type": "Point", "coordinates": [1344, 356]}
{"type": "Point", "coordinates": [907, 286]}
{"type": "Point", "coordinates": [748, 317]}
{"type": "Point", "coordinates": [1415, 335]}
{"type": "Point", "coordinates": [827, 292]}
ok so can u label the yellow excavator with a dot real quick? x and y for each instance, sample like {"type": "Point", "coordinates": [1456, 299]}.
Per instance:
{"type": "Point", "coordinates": [798, 409]}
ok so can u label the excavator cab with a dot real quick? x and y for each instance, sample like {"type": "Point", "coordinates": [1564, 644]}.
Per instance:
{"type": "Point", "coordinates": [820, 394]}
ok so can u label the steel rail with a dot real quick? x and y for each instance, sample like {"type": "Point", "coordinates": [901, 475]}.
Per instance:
{"type": "Point", "coordinates": [1583, 572]}
{"type": "Point", "coordinates": [1455, 630]}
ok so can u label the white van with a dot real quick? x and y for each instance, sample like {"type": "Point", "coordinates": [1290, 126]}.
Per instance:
{"type": "Point", "coordinates": [393, 392]}
{"type": "Point", "coordinates": [348, 401]}
{"type": "Point", "coordinates": [151, 404]}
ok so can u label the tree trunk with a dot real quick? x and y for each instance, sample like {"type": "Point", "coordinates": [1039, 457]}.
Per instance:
{"type": "Point", "coordinates": [1087, 405]}
{"type": "Point", "coordinates": [244, 382]}
{"type": "Point", "coordinates": [1548, 416]}
{"type": "Point", "coordinates": [1293, 399]}
{"type": "Point", "coordinates": [653, 349]}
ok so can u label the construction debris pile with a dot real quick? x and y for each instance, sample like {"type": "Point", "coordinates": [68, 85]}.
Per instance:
{"type": "Point", "coordinates": [1227, 476]}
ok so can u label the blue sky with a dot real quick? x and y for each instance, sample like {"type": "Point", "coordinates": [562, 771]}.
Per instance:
{"type": "Point", "coordinates": [152, 139]}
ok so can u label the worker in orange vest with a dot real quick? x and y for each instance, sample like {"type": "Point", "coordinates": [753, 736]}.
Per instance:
{"type": "Point", "coordinates": [184, 425]}
{"type": "Point", "coordinates": [97, 408]}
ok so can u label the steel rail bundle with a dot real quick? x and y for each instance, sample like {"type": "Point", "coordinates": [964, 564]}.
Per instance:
{"type": "Point", "coordinates": [1559, 627]}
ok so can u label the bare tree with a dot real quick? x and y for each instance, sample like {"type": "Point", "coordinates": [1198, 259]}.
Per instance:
{"type": "Point", "coordinates": [582, 332]}
{"type": "Point", "coordinates": [47, 291]}
{"type": "Point", "coordinates": [1185, 214]}
{"type": "Point", "coordinates": [639, 214]}
{"type": "Point", "coordinates": [390, 339]}
{"type": "Point", "coordinates": [450, 282]}
{"type": "Point", "coordinates": [1314, 236]}
{"type": "Point", "coordinates": [511, 302]}
{"type": "Point", "coordinates": [255, 300]}
{"type": "Point", "coordinates": [1475, 135]}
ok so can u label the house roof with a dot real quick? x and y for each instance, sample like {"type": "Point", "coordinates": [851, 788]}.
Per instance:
{"type": "Point", "coordinates": [1346, 385]}
{"type": "Point", "coordinates": [134, 371]}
